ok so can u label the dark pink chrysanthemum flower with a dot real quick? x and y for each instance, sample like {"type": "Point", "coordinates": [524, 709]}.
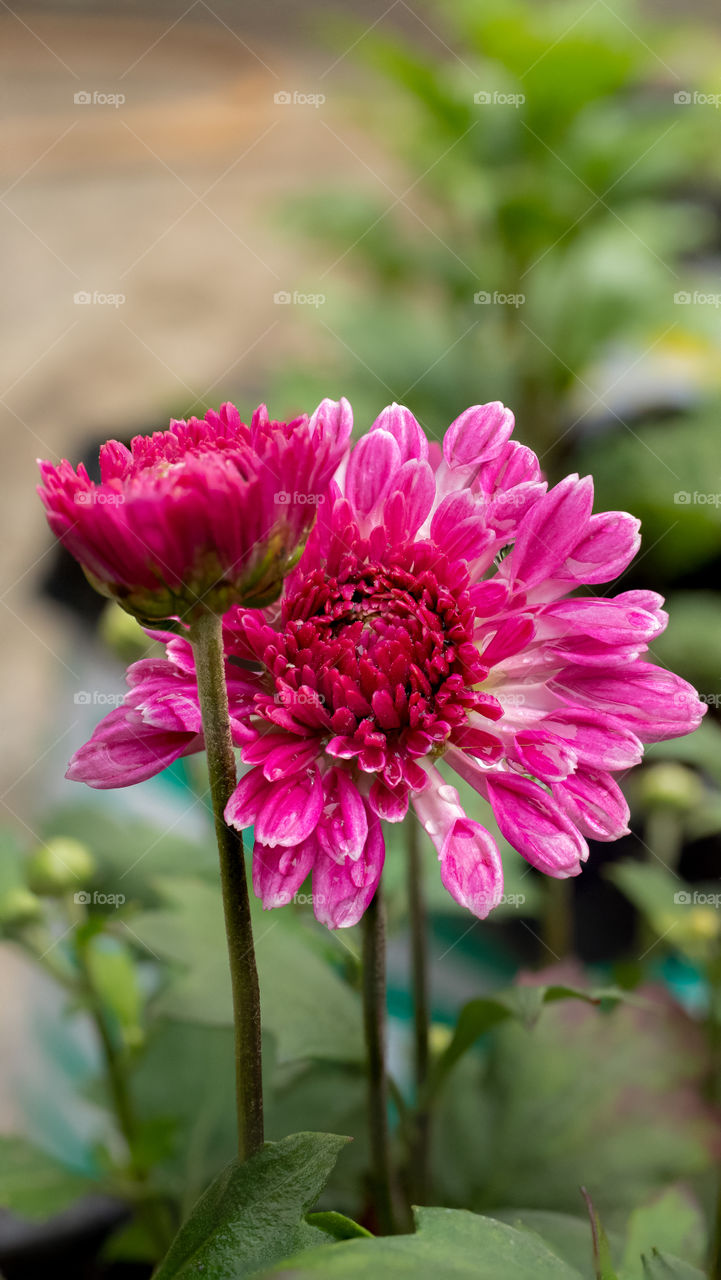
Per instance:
{"type": "Point", "coordinates": [211, 511]}
{"type": "Point", "coordinates": [430, 618]}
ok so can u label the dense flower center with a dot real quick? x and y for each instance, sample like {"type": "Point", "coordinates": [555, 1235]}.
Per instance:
{"type": "Point", "coordinates": [379, 660]}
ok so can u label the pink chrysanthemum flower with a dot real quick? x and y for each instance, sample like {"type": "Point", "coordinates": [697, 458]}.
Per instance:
{"type": "Point", "coordinates": [429, 619]}
{"type": "Point", "coordinates": [210, 512]}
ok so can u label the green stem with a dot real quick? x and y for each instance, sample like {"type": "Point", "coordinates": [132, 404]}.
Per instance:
{"type": "Point", "coordinates": [207, 639]}
{"type": "Point", "coordinates": [374, 1019]}
{"type": "Point", "coordinates": [557, 927]}
{"type": "Point", "coordinates": [713, 1030]}
{"type": "Point", "coordinates": [151, 1211]}
{"type": "Point", "coordinates": [419, 1153]}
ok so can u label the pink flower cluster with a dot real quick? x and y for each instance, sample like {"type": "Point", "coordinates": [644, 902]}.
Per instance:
{"type": "Point", "coordinates": [430, 619]}
{"type": "Point", "coordinates": [211, 512]}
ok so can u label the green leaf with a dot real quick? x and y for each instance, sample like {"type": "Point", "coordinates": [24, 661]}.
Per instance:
{"type": "Point", "coordinates": [576, 1100]}
{"type": "Point", "coordinates": [449, 1243]}
{"type": "Point", "coordinates": [336, 1225]}
{"type": "Point", "coordinates": [568, 1235]}
{"type": "Point", "coordinates": [252, 1215]}
{"type": "Point", "coordinates": [672, 1221]}
{"type": "Point", "coordinates": [522, 1002]}
{"type": "Point", "coordinates": [310, 1011]}
{"type": "Point", "coordinates": [131, 854]}
{"type": "Point", "coordinates": [661, 1266]}
{"type": "Point", "coordinates": [185, 1074]}
{"type": "Point", "coordinates": [35, 1186]}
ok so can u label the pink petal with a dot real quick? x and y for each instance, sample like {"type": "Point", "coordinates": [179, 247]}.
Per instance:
{"type": "Point", "coordinates": [471, 868]}
{"type": "Point", "coordinates": [535, 825]}
{"type": "Point", "coordinates": [458, 526]}
{"type": "Point", "coordinates": [390, 803]}
{"type": "Point", "coordinates": [406, 431]}
{"type": "Point", "coordinates": [613, 622]}
{"type": "Point", "coordinates": [512, 637]}
{"type": "Point", "coordinates": [249, 796]}
{"type": "Point", "coordinates": [343, 827]}
{"type": "Point", "coordinates": [596, 741]}
{"type": "Point", "coordinates": [595, 803]}
{"type": "Point", "coordinates": [343, 890]}
{"type": "Point", "coordinates": [550, 531]}
{"type": "Point", "coordinates": [416, 485]}
{"type": "Point", "coordinates": [544, 755]}
{"type": "Point", "coordinates": [333, 420]}
{"type": "Point", "coordinates": [291, 809]}
{"type": "Point", "coordinates": [609, 543]}
{"type": "Point", "coordinates": [653, 703]}
{"type": "Point", "coordinates": [479, 433]}
{"type": "Point", "coordinates": [123, 750]}
{"type": "Point", "coordinates": [278, 873]}
{"type": "Point", "coordinates": [373, 465]}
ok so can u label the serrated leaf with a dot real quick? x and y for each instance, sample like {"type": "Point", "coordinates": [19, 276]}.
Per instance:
{"type": "Point", "coordinates": [35, 1186]}
{"type": "Point", "coordinates": [449, 1243]}
{"type": "Point", "coordinates": [567, 1235]}
{"type": "Point", "coordinates": [579, 1099]}
{"type": "Point", "coordinates": [310, 1011]}
{"type": "Point", "coordinates": [523, 1002]}
{"type": "Point", "coordinates": [662, 1266]}
{"type": "Point", "coordinates": [672, 1222]}
{"type": "Point", "coordinates": [252, 1215]}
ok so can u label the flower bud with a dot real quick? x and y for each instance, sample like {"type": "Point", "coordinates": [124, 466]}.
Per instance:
{"type": "Point", "coordinates": [18, 908]}
{"type": "Point", "coordinates": [59, 867]}
{"type": "Point", "coordinates": [671, 786]}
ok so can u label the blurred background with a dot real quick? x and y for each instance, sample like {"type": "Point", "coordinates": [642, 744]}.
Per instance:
{"type": "Point", "coordinates": [439, 204]}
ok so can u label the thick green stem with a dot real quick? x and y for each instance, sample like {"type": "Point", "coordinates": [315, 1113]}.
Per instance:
{"type": "Point", "coordinates": [207, 639]}
{"type": "Point", "coordinates": [374, 1019]}
{"type": "Point", "coordinates": [419, 1153]}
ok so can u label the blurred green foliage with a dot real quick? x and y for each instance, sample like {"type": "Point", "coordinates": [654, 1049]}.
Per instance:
{"type": "Point", "coordinates": [539, 156]}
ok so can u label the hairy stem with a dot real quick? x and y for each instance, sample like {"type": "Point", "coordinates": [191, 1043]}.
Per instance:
{"type": "Point", "coordinates": [419, 1146]}
{"type": "Point", "coordinates": [374, 1019]}
{"type": "Point", "coordinates": [207, 640]}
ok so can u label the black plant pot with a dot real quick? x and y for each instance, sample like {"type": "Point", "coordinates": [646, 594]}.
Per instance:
{"type": "Point", "coordinates": [67, 1246]}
